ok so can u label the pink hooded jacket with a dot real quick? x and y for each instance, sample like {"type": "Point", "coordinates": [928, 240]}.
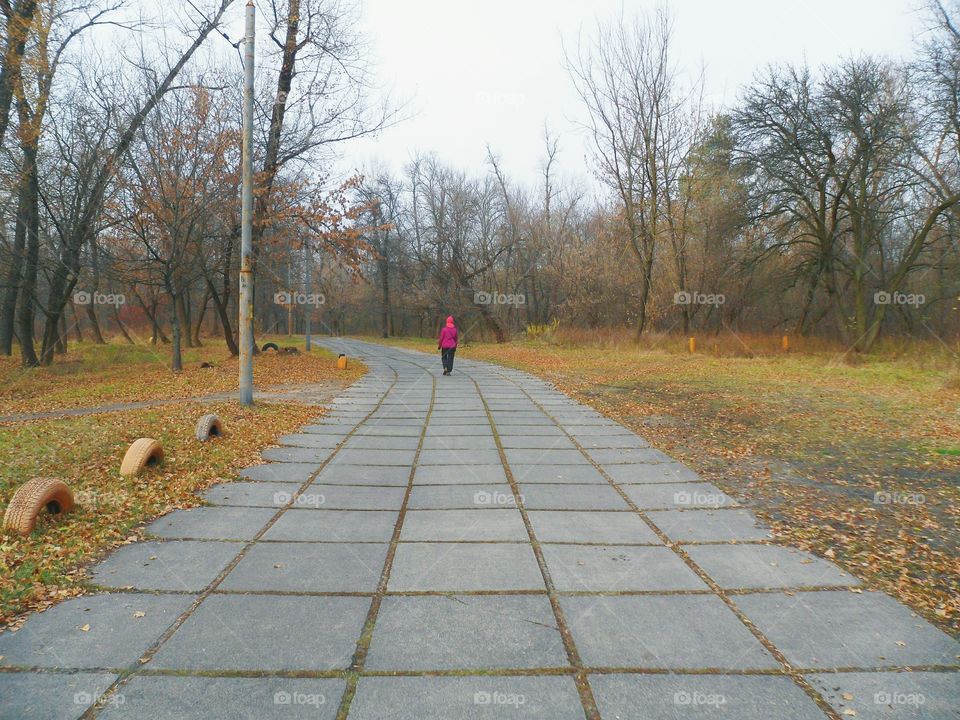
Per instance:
{"type": "Point", "coordinates": [448, 335]}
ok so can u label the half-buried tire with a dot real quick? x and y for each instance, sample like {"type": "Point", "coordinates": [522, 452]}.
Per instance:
{"type": "Point", "coordinates": [209, 426]}
{"type": "Point", "coordinates": [143, 453]}
{"type": "Point", "coordinates": [30, 500]}
{"type": "Point", "coordinates": [270, 346]}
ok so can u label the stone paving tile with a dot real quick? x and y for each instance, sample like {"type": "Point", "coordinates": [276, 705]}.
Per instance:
{"type": "Point", "coordinates": [570, 458]}
{"type": "Point", "coordinates": [295, 455]}
{"type": "Point", "coordinates": [445, 497]}
{"type": "Point", "coordinates": [251, 494]}
{"type": "Point", "coordinates": [651, 473]}
{"type": "Point", "coordinates": [628, 440]}
{"type": "Point", "coordinates": [379, 442]}
{"type": "Point", "coordinates": [508, 421]}
{"type": "Point", "coordinates": [370, 431]}
{"type": "Point", "coordinates": [237, 698]}
{"type": "Point", "coordinates": [310, 440]}
{"type": "Point", "coordinates": [478, 632]}
{"type": "Point", "coordinates": [464, 525]}
{"type": "Point", "coordinates": [281, 472]}
{"type": "Point", "coordinates": [459, 475]}
{"type": "Point", "coordinates": [453, 442]}
{"type": "Point", "coordinates": [466, 698]}
{"type": "Point", "coordinates": [766, 566]}
{"type": "Point", "coordinates": [48, 696]}
{"type": "Point", "coordinates": [478, 419]}
{"type": "Point", "coordinates": [354, 497]}
{"type": "Point", "coordinates": [674, 697]}
{"type": "Point", "coordinates": [677, 496]}
{"type": "Point", "coordinates": [459, 457]}
{"type": "Point", "coordinates": [838, 628]}
{"type": "Point", "coordinates": [540, 430]}
{"type": "Point", "coordinates": [557, 474]}
{"type": "Point", "coordinates": [309, 567]}
{"type": "Point", "coordinates": [622, 528]}
{"type": "Point", "coordinates": [435, 429]}
{"type": "Point", "coordinates": [364, 475]}
{"type": "Point", "coordinates": [334, 526]}
{"type": "Point", "coordinates": [214, 523]}
{"type": "Point", "coordinates": [617, 568]}
{"type": "Point", "coordinates": [626, 456]}
{"type": "Point", "coordinates": [115, 636]}
{"type": "Point", "coordinates": [180, 565]}
{"type": "Point", "coordinates": [440, 567]}
{"type": "Point", "coordinates": [536, 442]}
{"type": "Point", "coordinates": [881, 695]}
{"type": "Point", "coordinates": [709, 525]}
{"type": "Point", "coordinates": [662, 631]}
{"type": "Point", "coordinates": [372, 457]}
{"type": "Point", "coordinates": [266, 632]}
{"type": "Point", "coordinates": [598, 430]}
{"type": "Point", "coordinates": [540, 496]}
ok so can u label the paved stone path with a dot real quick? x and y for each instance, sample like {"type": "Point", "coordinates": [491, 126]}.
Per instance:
{"type": "Point", "coordinates": [472, 546]}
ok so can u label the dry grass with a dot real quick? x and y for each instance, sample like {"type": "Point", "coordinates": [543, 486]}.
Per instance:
{"type": "Point", "coordinates": [93, 375]}
{"type": "Point", "coordinates": [85, 452]}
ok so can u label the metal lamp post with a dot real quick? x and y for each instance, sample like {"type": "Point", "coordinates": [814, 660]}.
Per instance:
{"type": "Point", "coordinates": [246, 218]}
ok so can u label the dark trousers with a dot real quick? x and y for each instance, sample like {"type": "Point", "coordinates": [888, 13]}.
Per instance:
{"type": "Point", "coordinates": [446, 356]}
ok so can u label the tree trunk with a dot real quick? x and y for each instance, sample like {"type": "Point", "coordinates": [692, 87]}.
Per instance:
{"type": "Point", "coordinates": [76, 322]}
{"type": "Point", "coordinates": [385, 299]}
{"type": "Point", "coordinates": [176, 357]}
{"type": "Point", "coordinates": [28, 216]}
{"type": "Point", "coordinates": [94, 324]}
{"type": "Point", "coordinates": [220, 305]}
{"type": "Point", "coordinates": [152, 316]}
{"type": "Point", "coordinates": [61, 347]}
{"type": "Point", "coordinates": [12, 282]}
{"type": "Point", "coordinates": [199, 324]}
{"type": "Point", "coordinates": [19, 20]}
{"type": "Point", "coordinates": [123, 329]}
{"type": "Point", "coordinates": [183, 317]}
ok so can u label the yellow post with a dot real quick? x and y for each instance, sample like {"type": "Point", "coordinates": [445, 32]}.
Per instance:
{"type": "Point", "coordinates": [342, 362]}
{"type": "Point", "coordinates": [785, 343]}
{"type": "Point", "coordinates": [693, 344]}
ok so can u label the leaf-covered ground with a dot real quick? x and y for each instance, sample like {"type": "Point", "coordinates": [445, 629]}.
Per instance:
{"type": "Point", "coordinates": [858, 463]}
{"type": "Point", "coordinates": [91, 375]}
{"type": "Point", "coordinates": [85, 452]}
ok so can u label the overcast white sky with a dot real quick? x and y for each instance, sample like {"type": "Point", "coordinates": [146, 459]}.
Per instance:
{"type": "Point", "coordinates": [492, 71]}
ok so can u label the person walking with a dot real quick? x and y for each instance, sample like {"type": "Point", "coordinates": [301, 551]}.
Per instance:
{"type": "Point", "coordinates": [447, 345]}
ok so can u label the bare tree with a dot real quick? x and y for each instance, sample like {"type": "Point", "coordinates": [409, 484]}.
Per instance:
{"type": "Point", "coordinates": [639, 116]}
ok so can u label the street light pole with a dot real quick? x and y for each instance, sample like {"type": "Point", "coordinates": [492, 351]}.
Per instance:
{"type": "Point", "coordinates": [308, 291]}
{"type": "Point", "coordinates": [246, 218]}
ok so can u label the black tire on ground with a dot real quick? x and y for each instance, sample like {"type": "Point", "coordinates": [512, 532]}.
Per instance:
{"type": "Point", "coordinates": [31, 498]}
{"type": "Point", "coordinates": [209, 426]}
{"type": "Point", "coordinates": [270, 346]}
